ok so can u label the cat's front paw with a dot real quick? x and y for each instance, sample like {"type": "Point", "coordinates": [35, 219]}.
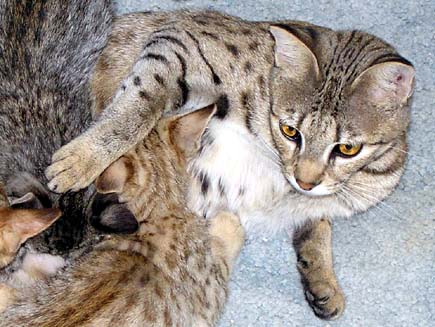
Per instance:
{"type": "Point", "coordinates": [74, 166]}
{"type": "Point", "coordinates": [326, 300]}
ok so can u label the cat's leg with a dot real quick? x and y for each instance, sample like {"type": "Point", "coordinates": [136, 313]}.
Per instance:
{"type": "Point", "coordinates": [313, 248]}
{"type": "Point", "coordinates": [228, 237]}
{"type": "Point", "coordinates": [169, 78]}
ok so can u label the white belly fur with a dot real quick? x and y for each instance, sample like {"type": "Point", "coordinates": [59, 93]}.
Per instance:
{"type": "Point", "coordinates": [267, 202]}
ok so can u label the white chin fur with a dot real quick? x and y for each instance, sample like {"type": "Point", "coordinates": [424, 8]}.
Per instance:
{"type": "Point", "coordinates": [254, 186]}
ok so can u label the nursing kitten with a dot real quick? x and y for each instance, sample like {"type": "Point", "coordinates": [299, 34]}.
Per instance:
{"type": "Point", "coordinates": [311, 123]}
{"type": "Point", "coordinates": [48, 50]}
{"type": "Point", "coordinates": [17, 226]}
{"type": "Point", "coordinates": [173, 272]}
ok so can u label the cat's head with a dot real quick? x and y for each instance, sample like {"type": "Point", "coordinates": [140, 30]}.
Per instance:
{"type": "Point", "coordinates": [340, 113]}
{"type": "Point", "coordinates": [18, 225]}
{"type": "Point", "coordinates": [155, 170]}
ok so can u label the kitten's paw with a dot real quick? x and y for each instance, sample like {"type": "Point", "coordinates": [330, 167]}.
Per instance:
{"type": "Point", "coordinates": [74, 166]}
{"type": "Point", "coordinates": [326, 300]}
{"type": "Point", "coordinates": [228, 229]}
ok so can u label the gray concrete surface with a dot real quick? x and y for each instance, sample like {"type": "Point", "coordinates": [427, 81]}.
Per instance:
{"type": "Point", "coordinates": [385, 259]}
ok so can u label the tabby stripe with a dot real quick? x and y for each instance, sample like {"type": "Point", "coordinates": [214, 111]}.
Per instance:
{"type": "Point", "coordinates": [157, 57]}
{"type": "Point", "coordinates": [365, 45]}
{"type": "Point", "coordinates": [182, 84]}
{"type": "Point", "coordinates": [352, 35]}
{"type": "Point", "coordinates": [337, 133]}
{"type": "Point", "coordinates": [391, 57]}
{"type": "Point", "coordinates": [216, 78]}
{"type": "Point", "coordinates": [205, 182]}
{"type": "Point", "coordinates": [170, 39]}
{"type": "Point", "coordinates": [246, 103]}
{"type": "Point", "coordinates": [223, 106]}
{"type": "Point", "coordinates": [183, 65]}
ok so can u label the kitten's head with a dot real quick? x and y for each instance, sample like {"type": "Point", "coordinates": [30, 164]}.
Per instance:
{"type": "Point", "coordinates": [340, 114]}
{"type": "Point", "coordinates": [18, 225]}
{"type": "Point", "coordinates": [155, 171]}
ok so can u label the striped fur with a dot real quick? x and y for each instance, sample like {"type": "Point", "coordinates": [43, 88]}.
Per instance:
{"type": "Point", "coordinates": [334, 87]}
{"type": "Point", "coordinates": [173, 272]}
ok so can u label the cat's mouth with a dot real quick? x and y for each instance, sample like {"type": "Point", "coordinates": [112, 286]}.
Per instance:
{"type": "Point", "coordinates": [319, 190]}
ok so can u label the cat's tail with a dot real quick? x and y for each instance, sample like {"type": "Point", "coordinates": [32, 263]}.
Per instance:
{"type": "Point", "coordinates": [59, 40]}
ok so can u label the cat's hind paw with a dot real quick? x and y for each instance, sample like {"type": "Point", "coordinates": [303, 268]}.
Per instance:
{"type": "Point", "coordinates": [74, 166]}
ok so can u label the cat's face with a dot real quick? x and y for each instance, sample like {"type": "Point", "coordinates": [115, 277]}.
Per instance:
{"type": "Point", "coordinates": [339, 118]}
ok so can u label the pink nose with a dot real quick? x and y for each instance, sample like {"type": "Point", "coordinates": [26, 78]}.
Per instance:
{"type": "Point", "coordinates": [305, 186]}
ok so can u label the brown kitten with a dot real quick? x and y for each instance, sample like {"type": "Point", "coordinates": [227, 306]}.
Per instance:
{"type": "Point", "coordinates": [16, 227]}
{"type": "Point", "coordinates": [173, 272]}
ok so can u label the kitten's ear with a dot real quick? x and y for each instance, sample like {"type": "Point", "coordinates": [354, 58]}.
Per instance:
{"type": "Point", "coordinates": [186, 131]}
{"type": "Point", "coordinates": [387, 82]}
{"type": "Point", "coordinates": [27, 223]}
{"type": "Point", "coordinates": [28, 201]}
{"type": "Point", "coordinates": [113, 179]}
{"type": "Point", "coordinates": [292, 53]}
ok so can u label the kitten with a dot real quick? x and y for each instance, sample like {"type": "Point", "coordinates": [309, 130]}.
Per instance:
{"type": "Point", "coordinates": [17, 226]}
{"type": "Point", "coordinates": [311, 123]}
{"type": "Point", "coordinates": [173, 272]}
{"type": "Point", "coordinates": [45, 66]}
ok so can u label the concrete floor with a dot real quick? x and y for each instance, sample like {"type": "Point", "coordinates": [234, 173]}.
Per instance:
{"type": "Point", "coordinates": [385, 259]}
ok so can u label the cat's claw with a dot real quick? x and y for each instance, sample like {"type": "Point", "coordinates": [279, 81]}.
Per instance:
{"type": "Point", "coordinates": [326, 301]}
{"type": "Point", "coordinates": [73, 167]}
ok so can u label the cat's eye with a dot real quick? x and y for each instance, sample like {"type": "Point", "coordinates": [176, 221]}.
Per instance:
{"type": "Point", "coordinates": [348, 150]}
{"type": "Point", "coordinates": [289, 132]}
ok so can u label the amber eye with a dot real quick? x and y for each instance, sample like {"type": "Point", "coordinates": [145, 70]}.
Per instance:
{"type": "Point", "coordinates": [348, 150]}
{"type": "Point", "coordinates": [289, 132]}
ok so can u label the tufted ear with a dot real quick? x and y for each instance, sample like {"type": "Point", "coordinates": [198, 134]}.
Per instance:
{"type": "Point", "coordinates": [185, 132]}
{"type": "Point", "coordinates": [292, 53]}
{"type": "Point", "coordinates": [387, 82]}
{"type": "Point", "coordinates": [113, 179]}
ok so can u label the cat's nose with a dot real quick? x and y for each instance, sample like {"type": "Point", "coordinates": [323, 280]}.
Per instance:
{"type": "Point", "coordinates": [306, 186]}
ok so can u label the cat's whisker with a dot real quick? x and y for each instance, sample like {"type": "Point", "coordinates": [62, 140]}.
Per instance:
{"type": "Point", "coordinates": [413, 155]}
{"type": "Point", "coordinates": [353, 198]}
{"type": "Point", "coordinates": [369, 202]}
{"type": "Point", "coordinates": [268, 147]}
{"type": "Point", "coordinates": [368, 194]}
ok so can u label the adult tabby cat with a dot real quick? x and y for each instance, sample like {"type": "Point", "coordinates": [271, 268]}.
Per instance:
{"type": "Point", "coordinates": [173, 272]}
{"type": "Point", "coordinates": [311, 123]}
{"type": "Point", "coordinates": [47, 52]}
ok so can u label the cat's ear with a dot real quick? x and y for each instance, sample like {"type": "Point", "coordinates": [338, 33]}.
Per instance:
{"type": "Point", "coordinates": [27, 223]}
{"type": "Point", "coordinates": [386, 82]}
{"type": "Point", "coordinates": [113, 179]}
{"type": "Point", "coordinates": [292, 53]}
{"type": "Point", "coordinates": [186, 131]}
{"type": "Point", "coordinates": [28, 201]}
